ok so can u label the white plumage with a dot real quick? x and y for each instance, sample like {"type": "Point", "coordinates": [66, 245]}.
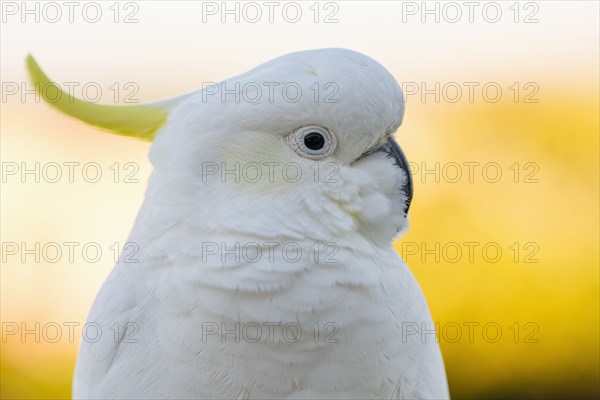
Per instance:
{"type": "Point", "coordinates": [351, 301]}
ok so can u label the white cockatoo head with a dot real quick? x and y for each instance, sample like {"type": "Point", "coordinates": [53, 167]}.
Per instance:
{"type": "Point", "coordinates": [298, 147]}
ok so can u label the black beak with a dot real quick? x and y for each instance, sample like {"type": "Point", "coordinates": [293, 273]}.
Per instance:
{"type": "Point", "coordinates": [393, 150]}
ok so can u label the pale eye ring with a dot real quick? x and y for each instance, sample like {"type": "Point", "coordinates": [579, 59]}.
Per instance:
{"type": "Point", "coordinates": [312, 142]}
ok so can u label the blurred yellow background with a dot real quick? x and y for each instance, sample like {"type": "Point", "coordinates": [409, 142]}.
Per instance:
{"type": "Point", "coordinates": [523, 323]}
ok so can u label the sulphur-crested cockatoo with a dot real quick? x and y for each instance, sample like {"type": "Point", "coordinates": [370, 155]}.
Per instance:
{"type": "Point", "coordinates": [265, 267]}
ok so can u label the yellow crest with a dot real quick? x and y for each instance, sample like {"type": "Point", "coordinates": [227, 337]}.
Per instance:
{"type": "Point", "coordinates": [139, 121]}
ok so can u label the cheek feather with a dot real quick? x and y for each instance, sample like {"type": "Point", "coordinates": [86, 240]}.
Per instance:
{"type": "Point", "coordinates": [257, 164]}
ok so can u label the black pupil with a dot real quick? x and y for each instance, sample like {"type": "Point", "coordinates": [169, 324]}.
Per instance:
{"type": "Point", "coordinates": [314, 141]}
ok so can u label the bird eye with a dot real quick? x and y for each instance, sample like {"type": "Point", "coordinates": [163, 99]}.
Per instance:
{"type": "Point", "coordinates": [312, 142]}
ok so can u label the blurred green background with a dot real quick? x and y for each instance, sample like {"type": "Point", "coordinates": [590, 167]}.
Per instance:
{"type": "Point", "coordinates": [523, 323]}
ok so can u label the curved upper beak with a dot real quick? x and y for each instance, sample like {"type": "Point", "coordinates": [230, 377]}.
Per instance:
{"type": "Point", "coordinates": [393, 150]}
